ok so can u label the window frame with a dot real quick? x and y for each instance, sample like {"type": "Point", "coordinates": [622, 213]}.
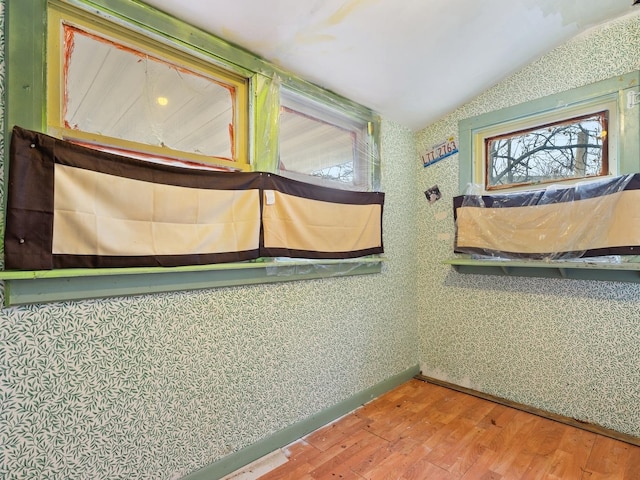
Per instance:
{"type": "Point", "coordinates": [604, 170]}
{"type": "Point", "coordinates": [25, 105]}
{"type": "Point", "coordinates": [624, 90]}
{"type": "Point", "coordinates": [624, 141]}
{"type": "Point", "coordinates": [60, 13]}
{"type": "Point", "coordinates": [364, 156]}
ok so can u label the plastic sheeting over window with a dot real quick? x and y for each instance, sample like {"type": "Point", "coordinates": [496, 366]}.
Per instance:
{"type": "Point", "coordinates": [588, 219]}
{"type": "Point", "coordinates": [124, 93]}
{"type": "Point", "coordinates": [321, 144]}
{"type": "Point", "coordinates": [568, 149]}
{"type": "Point", "coordinates": [112, 88]}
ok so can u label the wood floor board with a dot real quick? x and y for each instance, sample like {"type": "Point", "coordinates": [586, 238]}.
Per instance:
{"type": "Point", "coordinates": [336, 432]}
{"type": "Point", "coordinates": [609, 459]}
{"type": "Point", "coordinates": [299, 471]}
{"type": "Point", "coordinates": [559, 465]}
{"type": "Point", "coordinates": [503, 452]}
{"type": "Point", "coordinates": [633, 464]}
{"type": "Point", "coordinates": [544, 437]}
{"type": "Point", "coordinates": [490, 475]}
{"type": "Point", "coordinates": [447, 452]}
{"type": "Point", "coordinates": [342, 452]}
{"type": "Point", "coordinates": [499, 416]}
{"type": "Point", "coordinates": [478, 411]}
{"type": "Point", "coordinates": [422, 431]}
{"type": "Point", "coordinates": [424, 470]}
{"type": "Point", "coordinates": [369, 458]}
{"type": "Point", "coordinates": [461, 456]}
{"type": "Point", "coordinates": [302, 452]}
{"type": "Point", "coordinates": [362, 453]}
{"type": "Point", "coordinates": [578, 443]}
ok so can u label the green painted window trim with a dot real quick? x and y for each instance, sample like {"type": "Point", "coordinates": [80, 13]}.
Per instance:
{"type": "Point", "coordinates": [616, 88]}
{"type": "Point", "coordinates": [26, 40]}
{"type": "Point", "coordinates": [26, 29]}
{"type": "Point", "coordinates": [628, 162]}
{"type": "Point", "coordinates": [43, 286]}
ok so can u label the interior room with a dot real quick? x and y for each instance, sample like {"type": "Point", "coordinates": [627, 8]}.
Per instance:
{"type": "Point", "coordinates": [318, 221]}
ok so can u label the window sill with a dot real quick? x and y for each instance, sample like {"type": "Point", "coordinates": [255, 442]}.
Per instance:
{"type": "Point", "coordinates": [626, 271]}
{"type": "Point", "coordinates": [43, 286]}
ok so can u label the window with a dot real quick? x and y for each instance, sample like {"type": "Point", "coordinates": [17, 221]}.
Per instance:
{"type": "Point", "coordinates": [233, 83]}
{"type": "Point", "coordinates": [584, 133]}
{"type": "Point", "coordinates": [569, 149]}
{"type": "Point", "coordinates": [320, 144]}
{"type": "Point", "coordinates": [602, 122]}
{"type": "Point", "coordinates": [116, 91]}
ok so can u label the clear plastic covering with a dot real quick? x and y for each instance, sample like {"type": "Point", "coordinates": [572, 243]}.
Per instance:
{"type": "Point", "coordinates": [268, 106]}
{"type": "Point", "coordinates": [309, 135]}
{"type": "Point", "coordinates": [289, 267]}
{"type": "Point", "coordinates": [326, 141]}
{"type": "Point", "coordinates": [123, 93]}
{"type": "Point", "coordinates": [594, 218]}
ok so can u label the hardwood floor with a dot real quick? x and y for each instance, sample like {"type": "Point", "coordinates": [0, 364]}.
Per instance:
{"type": "Point", "coordinates": [424, 431]}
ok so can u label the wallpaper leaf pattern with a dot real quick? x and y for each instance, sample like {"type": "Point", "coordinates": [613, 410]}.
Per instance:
{"type": "Point", "coordinates": [566, 346]}
{"type": "Point", "coordinates": [159, 386]}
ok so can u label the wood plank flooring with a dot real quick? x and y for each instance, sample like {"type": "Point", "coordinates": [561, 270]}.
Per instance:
{"type": "Point", "coordinates": [424, 431]}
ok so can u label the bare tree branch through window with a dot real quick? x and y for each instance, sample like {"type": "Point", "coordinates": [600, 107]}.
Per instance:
{"type": "Point", "coordinates": [573, 148]}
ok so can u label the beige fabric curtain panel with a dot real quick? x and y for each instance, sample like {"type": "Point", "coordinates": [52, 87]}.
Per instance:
{"type": "Point", "coordinates": [591, 219]}
{"type": "Point", "coordinates": [74, 207]}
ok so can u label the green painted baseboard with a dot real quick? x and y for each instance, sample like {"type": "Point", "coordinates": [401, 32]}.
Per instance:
{"type": "Point", "coordinates": [292, 433]}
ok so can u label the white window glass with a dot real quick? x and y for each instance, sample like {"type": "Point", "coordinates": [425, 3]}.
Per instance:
{"type": "Point", "coordinates": [121, 92]}
{"type": "Point", "coordinates": [568, 149]}
{"type": "Point", "coordinates": [322, 145]}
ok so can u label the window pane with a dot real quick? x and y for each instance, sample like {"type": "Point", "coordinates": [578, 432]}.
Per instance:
{"type": "Point", "coordinates": [119, 92]}
{"type": "Point", "coordinates": [312, 147]}
{"type": "Point", "coordinates": [573, 148]}
{"type": "Point", "coordinates": [322, 142]}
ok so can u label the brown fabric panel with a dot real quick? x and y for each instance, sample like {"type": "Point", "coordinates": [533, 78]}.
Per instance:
{"type": "Point", "coordinates": [317, 192]}
{"type": "Point", "coordinates": [316, 255]}
{"type": "Point", "coordinates": [350, 226]}
{"type": "Point", "coordinates": [98, 261]}
{"type": "Point", "coordinates": [30, 218]}
{"type": "Point", "coordinates": [29, 215]}
{"type": "Point", "coordinates": [592, 225]}
{"type": "Point", "coordinates": [66, 153]}
{"type": "Point", "coordinates": [329, 198]}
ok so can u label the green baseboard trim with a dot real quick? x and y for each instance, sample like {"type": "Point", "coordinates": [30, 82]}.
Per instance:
{"type": "Point", "coordinates": [243, 457]}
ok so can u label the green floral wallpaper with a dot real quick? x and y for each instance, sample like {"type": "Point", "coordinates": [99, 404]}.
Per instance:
{"type": "Point", "coordinates": [158, 386]}
{"type": "Point", "coordinates": [567, 346]}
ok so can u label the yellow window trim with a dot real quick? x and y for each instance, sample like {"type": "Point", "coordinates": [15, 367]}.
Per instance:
{"type": "Point", "coordinates": [59, 13]}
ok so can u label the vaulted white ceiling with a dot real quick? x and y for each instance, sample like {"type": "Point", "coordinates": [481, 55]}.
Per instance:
{"type": "Point", "coordinates": [412, 61]}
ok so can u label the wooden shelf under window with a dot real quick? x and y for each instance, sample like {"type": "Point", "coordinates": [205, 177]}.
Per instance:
{"type": "Point", "coordinates": [42, 286]}
{"type": "Point", "coordinates": [625, 271]}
